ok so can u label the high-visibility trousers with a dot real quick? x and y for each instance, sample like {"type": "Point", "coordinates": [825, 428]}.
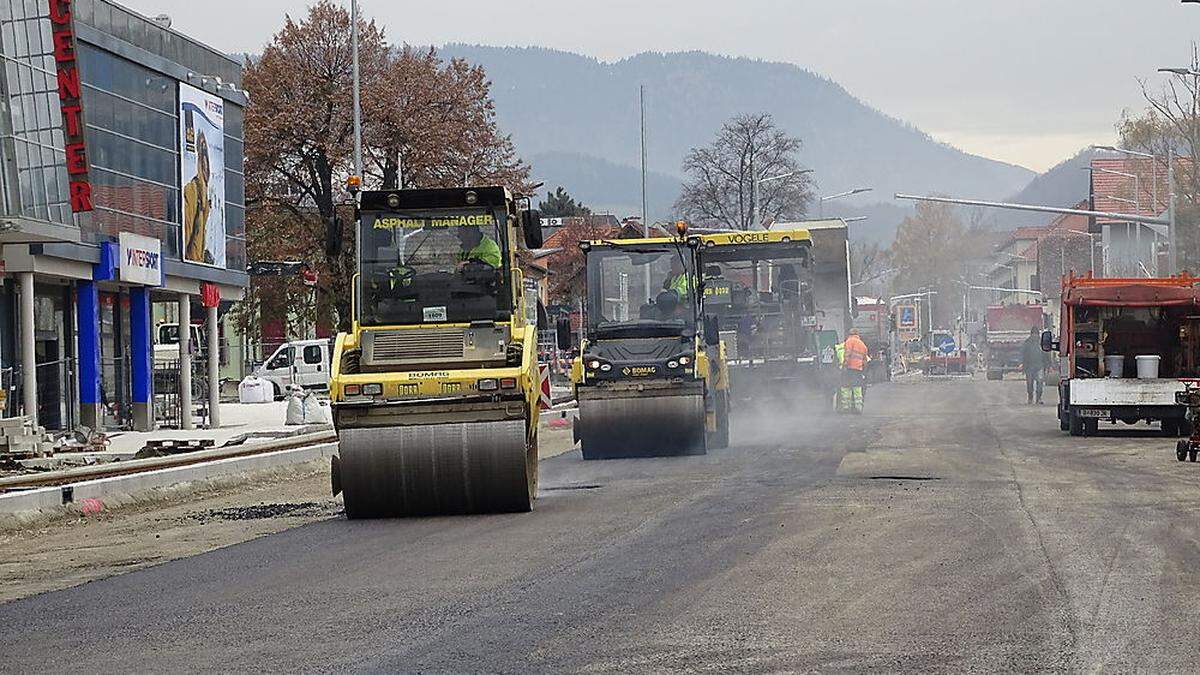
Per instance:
{"type": "Point", "coordinates": [850, 396]}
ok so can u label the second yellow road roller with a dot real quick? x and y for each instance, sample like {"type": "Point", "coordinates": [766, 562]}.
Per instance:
{"type": "Point", "coordinates": [650, 379]}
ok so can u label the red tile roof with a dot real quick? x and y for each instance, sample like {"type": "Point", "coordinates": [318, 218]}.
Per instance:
{"type": "Point", "coordinates": [1145, 195]}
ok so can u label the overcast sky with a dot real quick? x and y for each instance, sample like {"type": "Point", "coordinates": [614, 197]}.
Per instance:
{"type": "Point", "coordinates": [1024, 81]}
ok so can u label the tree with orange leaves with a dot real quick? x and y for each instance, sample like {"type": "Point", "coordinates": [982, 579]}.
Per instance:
{"type": "Point", "coordinates": [426, 123]}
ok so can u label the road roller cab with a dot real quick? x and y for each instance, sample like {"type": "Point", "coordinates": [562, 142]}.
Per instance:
{"type": "Point", "coordinates": [435, 389]}
{"type": "Point", "coordinates": [650, 380]}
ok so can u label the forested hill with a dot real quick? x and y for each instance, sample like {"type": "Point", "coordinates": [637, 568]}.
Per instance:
{"type": "Point", "coordinates": [580, 116]}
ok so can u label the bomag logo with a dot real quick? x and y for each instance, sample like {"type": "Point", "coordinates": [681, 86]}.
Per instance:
{"type": "Point", "coordinates": [428, 375]}
{"type": "Point", "coordinates": [639, 371]}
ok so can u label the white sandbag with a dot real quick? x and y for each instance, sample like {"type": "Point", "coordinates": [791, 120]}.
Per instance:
{"type": "Point", "coordinates": [295, 411]}
{"type": "Point", "coordinates": [314, 411]}
{"type": "Point", "coordinates": [255, 390]}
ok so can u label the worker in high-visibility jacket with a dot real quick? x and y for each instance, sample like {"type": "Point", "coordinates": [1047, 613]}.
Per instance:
{"type": "Point", "coordinates": [854, 368]}
{"type": "Point", "coordinates": [842, 395]}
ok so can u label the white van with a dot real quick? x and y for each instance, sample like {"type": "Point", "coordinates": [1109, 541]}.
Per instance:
{"type": "Point", "coordinates": [302, 362]}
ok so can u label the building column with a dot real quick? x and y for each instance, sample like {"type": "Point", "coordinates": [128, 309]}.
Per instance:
{"type": "Point", "coordinates": [141, 352]}
{"type": "Point", "coordinates": [214, 369]}
{"type": "Point", "coordinates": [28, 349]}
{"type": "Point", "coordinates": [87, 311]}
{"type": "Point", "coordinates": [185, 361]}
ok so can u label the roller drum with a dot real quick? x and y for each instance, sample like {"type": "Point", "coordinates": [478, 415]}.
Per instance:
{"type": "Point", "coordinates": [439, 469]}
{"type": "Point", "coordinates": [641, 426]}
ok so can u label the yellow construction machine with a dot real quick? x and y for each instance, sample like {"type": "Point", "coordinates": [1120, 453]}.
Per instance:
{"type": "Point", "coordinates": [435, 389]}
{"type": "Point", "coordinates": [650, 379]}
{"type": "Point", "coordinates": [760, 287]}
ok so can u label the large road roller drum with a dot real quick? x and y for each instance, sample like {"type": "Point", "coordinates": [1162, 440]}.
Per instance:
{"type": "Point", "coordinates": [437, 469]}
{"type": "Point", "coordinates": [616, 427]}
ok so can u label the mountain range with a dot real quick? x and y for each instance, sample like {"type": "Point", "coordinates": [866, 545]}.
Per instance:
{"type": "Point", "coordinates": [576, 120]}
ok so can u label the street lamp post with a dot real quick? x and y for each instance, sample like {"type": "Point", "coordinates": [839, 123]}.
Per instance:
{"type": "Point", "coordinates": [358, 160]}
{"type": "Point", "coordinates": [847, 193]}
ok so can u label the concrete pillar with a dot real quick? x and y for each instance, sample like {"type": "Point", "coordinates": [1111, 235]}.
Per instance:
{"type": "Point", "coordinates": [185, 361]}
{"type": "Point", "coordinates": [28, 348]}
{"type": "Point", "coordinates": [214, 370]}
{"type": "Point", "coordinates": [141, 353]}
{"type": "Point", "coordinates": [87, 312]}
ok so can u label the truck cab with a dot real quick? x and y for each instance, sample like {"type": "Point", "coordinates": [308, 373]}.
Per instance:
{"type": "Point", "coordinates": [1126, 344]}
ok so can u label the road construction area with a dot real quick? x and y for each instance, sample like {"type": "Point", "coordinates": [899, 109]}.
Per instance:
{"type": "Point", "coordinates": [950, 527]}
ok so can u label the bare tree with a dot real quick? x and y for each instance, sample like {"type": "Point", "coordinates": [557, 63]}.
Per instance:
{"type": "Point", "coordinates": [931, 251]}
{"type": "Point", "coordinates": [1171, 126]}
{"type": "Point", "coordinates": [725, 179]}
{"type": "Point", "coordinates": [426, 123]}
{"type": "Point", "coordinates": [869, 263]}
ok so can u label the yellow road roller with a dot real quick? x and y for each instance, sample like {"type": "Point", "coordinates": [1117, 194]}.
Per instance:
{"type": "Point", "coordinates": [650, 380]}
{"type": "Point", "coordinates": [435, 389]}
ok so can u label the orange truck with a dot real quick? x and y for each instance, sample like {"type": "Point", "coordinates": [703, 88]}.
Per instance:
{"type": "Point", "coordinates": [1126, 343]}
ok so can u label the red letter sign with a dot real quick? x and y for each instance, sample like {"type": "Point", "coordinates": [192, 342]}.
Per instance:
{"type": "Point", "coordinates": [69, 96]}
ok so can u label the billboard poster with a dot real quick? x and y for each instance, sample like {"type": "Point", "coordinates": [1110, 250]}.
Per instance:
{"type": "Point", "coordinates": [202, 168]}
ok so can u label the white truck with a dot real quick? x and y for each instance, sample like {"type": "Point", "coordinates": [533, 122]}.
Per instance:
{"type": "Point", "coordinates": [301, 362]}
{"type": "Point", "coordinates": [166, 341]}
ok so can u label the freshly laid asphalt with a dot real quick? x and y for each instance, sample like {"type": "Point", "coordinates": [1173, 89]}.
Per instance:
{"type": "Point", "coordinates": [951, 527]}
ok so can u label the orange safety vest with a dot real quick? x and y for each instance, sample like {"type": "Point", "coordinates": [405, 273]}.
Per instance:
{"type": "Point", "coordinates": [856, 353]}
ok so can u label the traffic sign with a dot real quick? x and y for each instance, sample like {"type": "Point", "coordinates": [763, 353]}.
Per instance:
{"type": "Point", "coordinates": [947, 345]}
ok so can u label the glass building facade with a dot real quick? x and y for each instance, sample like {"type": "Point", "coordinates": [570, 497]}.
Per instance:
{"type": "Point", "coordinates": [132, 114]}
{"type": "Point", "coordinates": [89, 327]}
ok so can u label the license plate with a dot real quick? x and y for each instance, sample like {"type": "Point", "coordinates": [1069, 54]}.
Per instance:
{"type": "Point", "coordinates": [1093, 413]}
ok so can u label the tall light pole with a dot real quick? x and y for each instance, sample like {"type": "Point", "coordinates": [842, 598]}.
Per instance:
{"type": "Point", "coordinates": [642, 136]}
{"type": "Point", "coordinates": [358, 159]}
{"type": "Point", "coordinates": [847, 193]}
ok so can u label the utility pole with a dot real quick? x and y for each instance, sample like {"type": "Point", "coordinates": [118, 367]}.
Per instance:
{"type": "Point", "coordinates": [358, 159]}
{"type": "Point", "coordinates": [642, 107]}
{"type": "Point", "coordinates": [642, 132]}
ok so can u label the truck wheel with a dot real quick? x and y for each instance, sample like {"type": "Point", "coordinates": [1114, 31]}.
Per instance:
{"type": "Point", "coordinates": [1091, 427]}
{"type": "Point", "coordinates": [1170, 428]}
{"type": "Point", "coordinates": [1181, 450]}
{"type": "Point", "coordinates": [1075, 424]}
{"type": "Point", "coordinates": [1064, 420]}
{"type": "Point", "coordinates": [1191, 454]}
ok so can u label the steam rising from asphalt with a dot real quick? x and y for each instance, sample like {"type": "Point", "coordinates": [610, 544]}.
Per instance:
{"type": "Point", "coordinates": [807, 415]}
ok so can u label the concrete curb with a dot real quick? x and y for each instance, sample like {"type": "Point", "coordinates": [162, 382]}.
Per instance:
{"type": "Point", "coordinates": [93, 493]}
